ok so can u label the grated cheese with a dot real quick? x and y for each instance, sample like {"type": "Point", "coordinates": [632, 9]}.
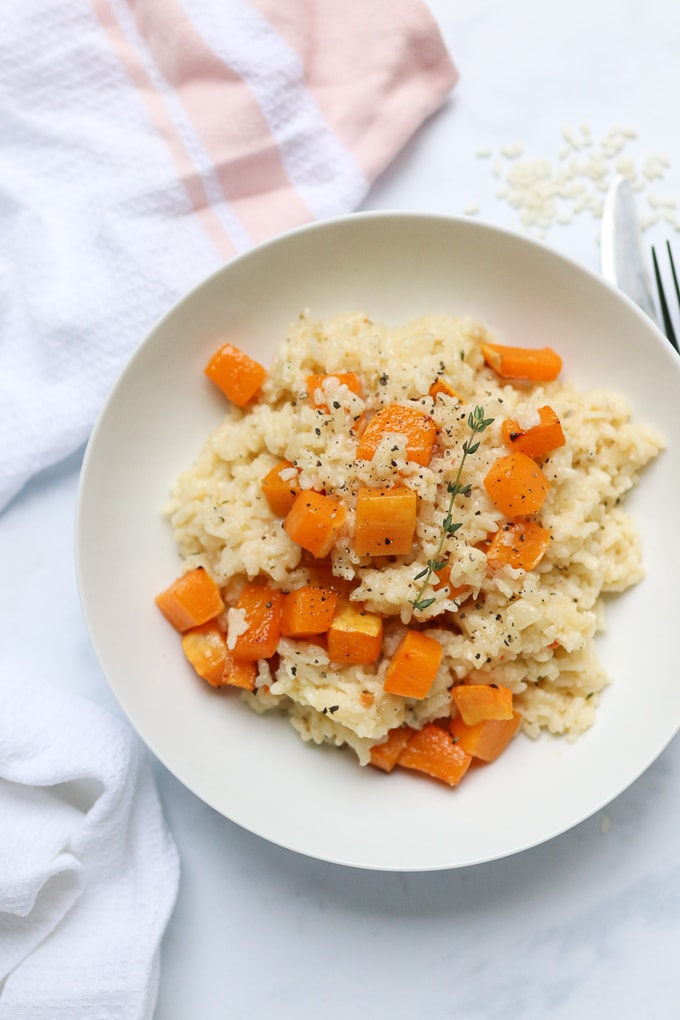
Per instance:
{"type": "Point", "coordinates": [236, 625]}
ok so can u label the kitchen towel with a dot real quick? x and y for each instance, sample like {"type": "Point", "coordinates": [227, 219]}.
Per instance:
{"type": "Point", "coordinates": [88, 871]}
{"type": "Point", "coordinates": [147, 141]}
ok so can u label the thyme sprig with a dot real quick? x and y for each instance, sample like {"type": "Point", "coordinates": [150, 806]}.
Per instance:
{"type": "Point", "coordinates": [477, 424]}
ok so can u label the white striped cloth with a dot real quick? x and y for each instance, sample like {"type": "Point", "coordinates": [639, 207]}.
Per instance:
{"type": "Point", "coordinates": [147, 141]}
{"type": "Point", "coordinates": [88, 870]}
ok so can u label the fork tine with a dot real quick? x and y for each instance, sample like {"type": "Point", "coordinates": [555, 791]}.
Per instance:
{"type": "Point", "coordinates": [675, 279]}
{"type": "Point", "coordinates": [667, 321]}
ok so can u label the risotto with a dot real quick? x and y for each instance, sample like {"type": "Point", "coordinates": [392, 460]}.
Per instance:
{"type": "Point", "coordinates": [418, 543]}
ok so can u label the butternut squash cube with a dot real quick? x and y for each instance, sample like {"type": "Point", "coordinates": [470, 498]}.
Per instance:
{"type": "Point", "coordinates": [537, 439]}
{"type": "Point", "coordinates": [308, 610]}
{"type": "Point", "coordinates": [418, 429]}
{"type": "Point", "coordinates": [191, 600]}
{"type": "Point", "coordinates": [538, 364]}
{"type": "Point", "coordinates": [236, 373]}
{"type": "Point", "coordinates": [385, 521]}
{"type": "Point", "coordinates": [519, 544]}
{"type": "Point", "coordinates": [315, 521]}
{"type": "Point", "coordinates": [414, 666]}
{"type": "Point", "coordinates": [477, 702]}
{"type": "Point", "coordinates": [488, 738]}
{"type": "Point", "coordinates": [516, 485]}
{"type": "Point", "coordinates": [433, 751]}
{"type": "Point", "coordinates": [355, 635]}
{"type": "Point", "coordinates": [280, 487]}
{"type": "Point", "coordinates": [262, 617]}
{"type": "Point", "coordinates": [206, 649]}
{"type": "Point", "coordinates": [315, 384]}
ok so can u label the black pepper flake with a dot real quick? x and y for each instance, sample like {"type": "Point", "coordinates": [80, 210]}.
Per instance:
{"type": "Point", "coordinates": [333, 709]}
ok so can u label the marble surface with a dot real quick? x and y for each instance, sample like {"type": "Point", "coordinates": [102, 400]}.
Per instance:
{"type": "Point", "coordinates": [586, 925]}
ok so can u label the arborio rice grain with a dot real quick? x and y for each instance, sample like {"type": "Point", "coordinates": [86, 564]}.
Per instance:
{"type": "Point", "coordinates": [530, 631]}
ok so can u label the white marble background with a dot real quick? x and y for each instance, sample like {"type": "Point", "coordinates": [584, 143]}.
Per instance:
{"type": "Point", "coordinates": [587, 925]}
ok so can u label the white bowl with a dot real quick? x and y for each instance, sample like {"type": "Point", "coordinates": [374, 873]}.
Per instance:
{"type": "Point", "coordinates": [255, 770]}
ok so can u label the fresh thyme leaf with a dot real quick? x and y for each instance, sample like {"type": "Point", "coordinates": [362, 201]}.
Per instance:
{"type": "Point", "coordinates": [477, 424]}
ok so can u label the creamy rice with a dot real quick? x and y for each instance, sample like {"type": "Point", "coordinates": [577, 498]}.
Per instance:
{"type": "Point", "coordinates": [530, 631]}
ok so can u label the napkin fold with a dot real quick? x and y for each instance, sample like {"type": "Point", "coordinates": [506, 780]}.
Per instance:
{"type": "Point", "coordinates": [88, 871]}
{"type": "Point", "coordinates": [146, 142]}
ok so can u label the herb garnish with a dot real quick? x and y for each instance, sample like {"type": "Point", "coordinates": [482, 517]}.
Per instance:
{"type": "Point", "coordinates": [477, 424]}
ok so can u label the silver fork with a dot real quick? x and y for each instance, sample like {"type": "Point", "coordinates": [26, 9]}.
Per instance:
{"type": "Point", "coordinates": [663, 303]}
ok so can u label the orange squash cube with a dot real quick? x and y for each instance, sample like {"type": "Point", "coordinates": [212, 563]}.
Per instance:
{"type": "Point", "coordinates": [237, 375]}
{"type": "Point", "coordinates": [385, 521]}
{"type": "Point", "coordinates": [414, 665]}
{"type": "Point", "coordinates": [315, 383]}
{"type": "Point", "coordinates": [516, 485]}
{"type": "Point", "coordinates": [418, 428]}
{"type": "Point", "coordinates": [433, 751]}
{"type": "Point", "coordinates": [206, 649]}
{"type": "Point", "coordinates": [519, 544]}
{"type": "Point", "coordinates": [321, 574]}
{"type": "Point", "coordinates": [280, 487]}
{"type": "Point", "coordinates": [477, 702]}
{"type": "Point", "coordinates": [308, 610]}
{"type": "Point", "coordinates": [537, 364]}
{"type": "Point", "coordinates": [191, 600]}
{"type": "Point", "coordinates": [355, 635]}
{"type": "Point", "coordinates": [262, 608]}
{"type": "Point", "coordinates": [536, 440]}
{"type": "Point", "coordinates": [239, 673]}
{"type": "Point", "coordinates": [386, 754]}
{"type": "Point", "coordinates": [315, 521]}
{"type": "Point", "coordinates": [488, 738]}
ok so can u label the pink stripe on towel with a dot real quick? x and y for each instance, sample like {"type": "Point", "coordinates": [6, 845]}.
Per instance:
{"type": "Point", "coordinates": [159, 116]}
{"type": "Point", "coordinates": [376, 76]}
{"type": "Point", "coordinates": [227, 119]}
